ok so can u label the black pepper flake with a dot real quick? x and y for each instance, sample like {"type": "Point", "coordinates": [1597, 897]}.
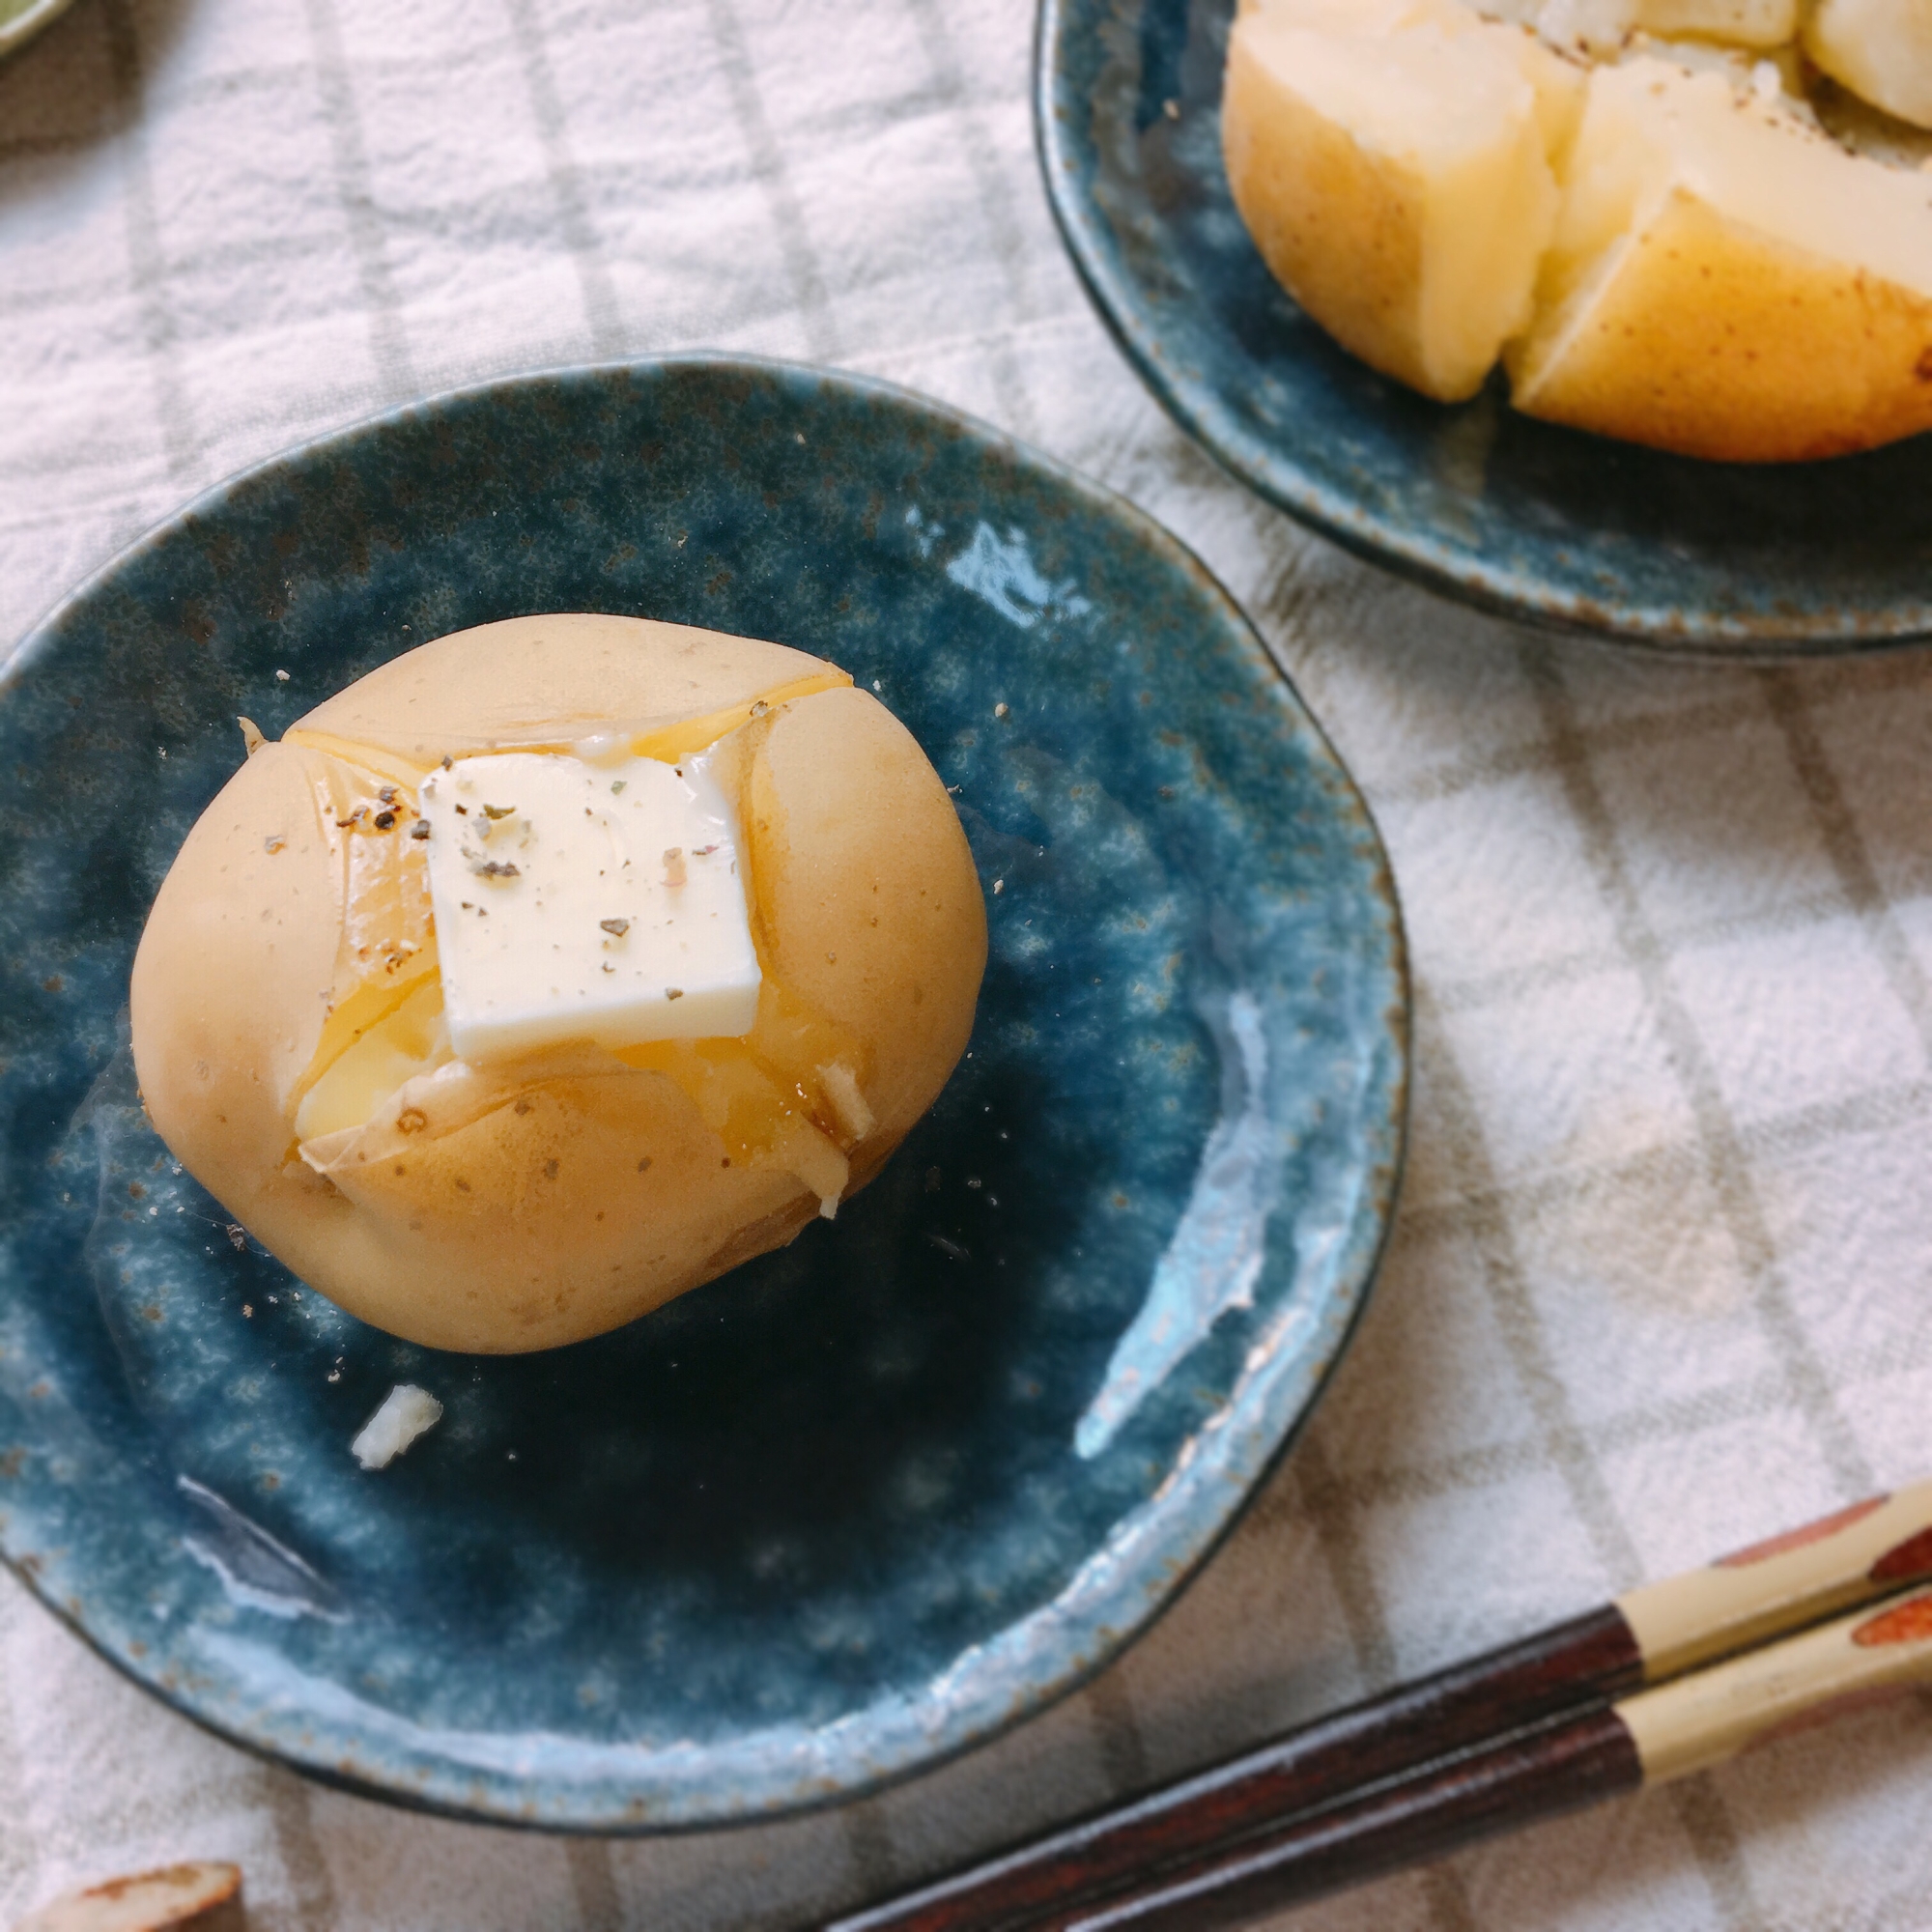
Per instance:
{"type": "Point", "coordinates": [387, 794]}
{"type": "Point", "coordinates": [464, 810]}
{"type": "Point", "coordinates": [616, 927]}
{"type": "Point", "coordinates": [643, 1164]}
{"type": "Point", "coordinates": [385, 821]}
{"type": "Point", "coordinates": [673, 992]}
{"type": "Point", "coordinates": [496, 869]}
{"type": "Point", "coordinates": [420, 829]}
{"type": "Point", "coordinates": [445, 765]}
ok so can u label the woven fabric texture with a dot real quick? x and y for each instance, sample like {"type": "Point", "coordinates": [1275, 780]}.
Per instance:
{"type": "Point", "coordinates": [1662, 1278]}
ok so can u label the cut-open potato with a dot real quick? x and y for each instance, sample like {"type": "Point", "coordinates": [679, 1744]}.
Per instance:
{"type": "Point", "coordinates": [289, 1024]}
{"type": "Point", "coordinates": [1655, 236]}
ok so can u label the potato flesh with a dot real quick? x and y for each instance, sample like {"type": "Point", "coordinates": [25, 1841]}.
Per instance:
{"type": "Point", "coordinates": [1601, 29]}
{"type": "Point", "coordinates": [792, 1051]}
{"type": "Point", "coordinates": [398, 1048]}
{"type": "Point", "coordinates": [1881, 49]}
{"type": "Point", "coordinates": [1737, 23]}
{"type": "Point", "coordinates": [1396, 174]}
{"type": "Point", "coordinates": [1715, 276]}
{"type": "Point", "coordinates": [388, 932]}
{"type": "Point", "coordinates": [528, 1205]}
{"type": "Point", "coordinates": [1754, 166]}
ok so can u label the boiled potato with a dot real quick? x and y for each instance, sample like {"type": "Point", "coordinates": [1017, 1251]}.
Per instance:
{"type": "Point", "coordinates": [1729, 283]}
{"type": "Point", "coordinates": [1653, 234]}
{"type": "Point", "coordinates": [1392, 163]}
{"type": "Point", "coordinates": [287, 999]}
{"type": "Point", "coordinates": [1881, 49]}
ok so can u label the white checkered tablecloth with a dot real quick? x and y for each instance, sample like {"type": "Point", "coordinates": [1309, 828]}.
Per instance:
{"type": "Point", "coordinates": [1662, 1280]}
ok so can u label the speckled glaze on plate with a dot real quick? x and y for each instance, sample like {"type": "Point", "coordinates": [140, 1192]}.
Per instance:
{"type": "Point", "coordinates": [1517, 516]}
{"type": "Point", "coordinates": [857, 1504]}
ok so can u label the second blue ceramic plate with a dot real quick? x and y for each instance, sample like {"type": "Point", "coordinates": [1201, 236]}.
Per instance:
{"type": "Point", "coordinates": [857, 1504]}
{"type": "Point", "coordinates": [1517, 516]}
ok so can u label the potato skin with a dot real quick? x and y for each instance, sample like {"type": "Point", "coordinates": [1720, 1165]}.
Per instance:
{"type": "Point", "coordinates": [230, 986]}
{"type": "Point", "coordinates": [891, 951]}
{"type": "Point", "coordinates": [580, 1202]}
{"type": "Point", "coordinates": [1341, 232]}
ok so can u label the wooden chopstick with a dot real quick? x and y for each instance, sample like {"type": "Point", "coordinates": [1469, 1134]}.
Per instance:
{"type": "Point", "coordinates": [1522, 1732]}
{"type": "Point", "coordinates": [1651, 1737]}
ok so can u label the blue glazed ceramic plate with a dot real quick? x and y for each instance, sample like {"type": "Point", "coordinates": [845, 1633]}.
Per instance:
{"type": "Point", "coordinates": [1519, 517]}
{"type": "Point", "coordinates": [859, 1503]}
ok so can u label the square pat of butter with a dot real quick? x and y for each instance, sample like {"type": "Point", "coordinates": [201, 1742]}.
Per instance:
{"type": "Point", "coordinates": [585, 902]}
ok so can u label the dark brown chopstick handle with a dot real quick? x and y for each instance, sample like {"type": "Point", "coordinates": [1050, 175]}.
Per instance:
{"type": "Point", "coordinates": [1568, 1764]}
{"type": "Point", "coordinates": [1589, 1660]}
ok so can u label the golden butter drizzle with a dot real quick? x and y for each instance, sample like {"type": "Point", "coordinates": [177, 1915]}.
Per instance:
{"type": "Point", "coordinates": [789, 1094]}
{"type": "Point", "coordinates": [665, 740]}
{"type": "Point", "coordinates": [388, 944]}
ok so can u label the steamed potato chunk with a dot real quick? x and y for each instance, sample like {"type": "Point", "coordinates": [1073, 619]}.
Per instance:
{"type": "Point", "coordinates": [1653, 234]}
{"type": "Point", "coordinates": [287, 1002]}
{"type": "Point", "coordinates": [1881, 49]}
{"type": "Point", "coordinates": [1726, 283]}
{"type": "Point", "coordinates": [1392, 163]}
